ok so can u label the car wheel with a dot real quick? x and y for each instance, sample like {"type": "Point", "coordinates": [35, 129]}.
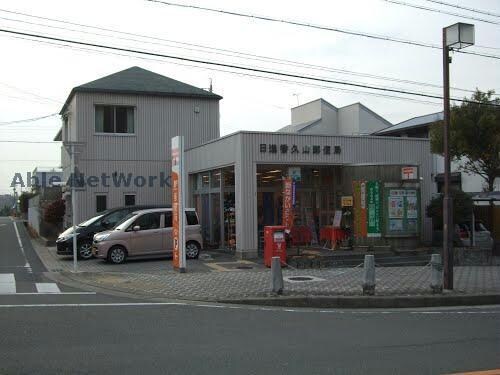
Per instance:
{"type": "Point", "coordinates": [85, 250]}
{"type": "Point", "coordinates": [192, 250]}
{"type": "Point", "coordinates": [117, 255]}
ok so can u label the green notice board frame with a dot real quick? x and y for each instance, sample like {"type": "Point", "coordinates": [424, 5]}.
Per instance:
{"type": "Point", "coordinates": [402, 211]}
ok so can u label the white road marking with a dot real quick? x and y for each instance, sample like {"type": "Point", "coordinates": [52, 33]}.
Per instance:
{"type": "Point", "coordinates": [27, 265]}
{"type": "Point", "coordinates": [43, 294]}
{"type": "Point", "coordinates": [132, 304]}
{"type": "Point", "coordinates": [153, 304]}
{"type": "Point", "coordinates": [7, 283]}
{"type": "Point", "coordinates": [47, 288]}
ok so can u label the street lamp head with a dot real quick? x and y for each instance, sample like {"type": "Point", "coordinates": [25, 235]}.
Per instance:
{"type": "Point", "coordinates": [459, 35]}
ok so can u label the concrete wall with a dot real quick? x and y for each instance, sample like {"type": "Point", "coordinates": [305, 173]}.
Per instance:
{"type": "Point", "coordinates": [369, 121]}
{"type": "Point", "coordinates": [306, 112]}
{"type": "Point", "coordinates": [349, 120]}
{"type": "Point", "coordinates": [34, 213]}
{"type": "Point", "coordinates": [328, 124]}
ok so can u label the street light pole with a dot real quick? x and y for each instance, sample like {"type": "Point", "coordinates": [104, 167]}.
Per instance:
{"type": "Point", "coordinates": [447, 201]}
{"type": "Point", "coordinates": [71, 147]}
{"type": "Point", "coordinates": [456, 36]}
{"type": "Point", "coordinates": [73, 207]}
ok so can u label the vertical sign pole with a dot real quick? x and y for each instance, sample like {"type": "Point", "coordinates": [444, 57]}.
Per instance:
{"type": "Point", "coordinates": [178, 198]}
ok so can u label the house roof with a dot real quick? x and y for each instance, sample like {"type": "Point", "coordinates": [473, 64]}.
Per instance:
{"type": "Point", "coordinates": [415, 122]}
{"type": "Point", "coordinates": [140, 81]}
{"type": "Point", "coordinates": [58, 136]}
{"type": "Point", "coordinates": [299, 127]}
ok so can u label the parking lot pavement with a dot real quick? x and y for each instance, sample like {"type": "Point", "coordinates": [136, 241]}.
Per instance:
{"type": "Point", "coordinates": [209, 261]}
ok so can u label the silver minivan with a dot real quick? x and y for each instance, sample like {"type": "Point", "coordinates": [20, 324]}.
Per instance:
{"type": "Point", "coordinates": [146, 233]}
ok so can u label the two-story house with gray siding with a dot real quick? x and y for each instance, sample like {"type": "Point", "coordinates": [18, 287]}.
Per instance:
{"type": "Point", "coordinates": [121, 126]}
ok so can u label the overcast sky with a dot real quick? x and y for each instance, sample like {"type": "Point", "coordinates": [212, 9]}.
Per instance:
{"type": "Point", "coordinates": [36, 78]}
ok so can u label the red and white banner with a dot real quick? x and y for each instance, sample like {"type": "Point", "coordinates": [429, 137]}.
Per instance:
{"type": "Point", "coordinates": [287, 203]}
{"type": "Point", "coordinates": [178, 215]}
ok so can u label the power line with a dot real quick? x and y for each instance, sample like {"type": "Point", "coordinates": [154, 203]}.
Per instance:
{"type": "Point", "coordinates": [464, 8]}
{"type": "Point", "coordinates": [306, 84]}
{"type": "Point", "coordinates": [27, 120]}
{"type": "Point", "coordinates": [435, 10]}
{"type": "Point", "coordinates": [232, 53]}
{"type": "Point", "coordinates": [235, 66]}
{"type": "Point", "coordinates": [208, 49]}
{"type": "Point", "coordinates": [288, 72]}
{"type": "Point", "coordinates": [319, 27]}
{"type": "Point", "coordinates": [30, 93]}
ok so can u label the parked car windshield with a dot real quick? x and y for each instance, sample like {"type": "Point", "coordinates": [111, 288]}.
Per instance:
{"type": "Point", "coordinates": [132, 214]}
{"type": "Point", "coordinates": [90, 221]}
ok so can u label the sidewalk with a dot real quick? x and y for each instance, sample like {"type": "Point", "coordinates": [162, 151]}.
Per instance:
{"type": "Point", "coordinates": [219, 279]}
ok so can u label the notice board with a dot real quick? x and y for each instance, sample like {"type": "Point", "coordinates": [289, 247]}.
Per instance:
{"type": "Point", "coordinates": [402, 211]}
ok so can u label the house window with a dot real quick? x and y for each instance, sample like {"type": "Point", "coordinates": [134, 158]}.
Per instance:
{"type": "Point", "coordinates": [129, 199]}
{"type": "Point", "coordinates": [100, 203]}
{"type": "Point", "coordinates": [114, 119]}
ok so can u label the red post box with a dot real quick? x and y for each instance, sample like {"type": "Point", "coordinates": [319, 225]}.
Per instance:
{"type": "Point", "coordinates": [274, 244]}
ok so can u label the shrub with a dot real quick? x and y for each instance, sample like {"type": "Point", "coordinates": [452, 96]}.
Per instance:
{"type": "Point", "coordinates": [462, 208]}
{"type": "Point", "coordinates": [54, 212]}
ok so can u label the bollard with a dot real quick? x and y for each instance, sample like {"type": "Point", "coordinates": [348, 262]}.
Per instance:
{"type": "Point", "coordinates": [276, 276]}
{"type": "Point", "coordinates": [436, 274]}
{"type": "Point", "coordinates": [369, 275]}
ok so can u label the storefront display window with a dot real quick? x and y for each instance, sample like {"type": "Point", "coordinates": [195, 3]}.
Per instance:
{"type": "Point", "coordinates": [213, 197]}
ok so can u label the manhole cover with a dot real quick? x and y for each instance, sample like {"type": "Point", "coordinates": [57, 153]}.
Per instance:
{"type": "Point", "coordinates": [244, 267]}
{"type": "Point", "coordinates": [300, 278]}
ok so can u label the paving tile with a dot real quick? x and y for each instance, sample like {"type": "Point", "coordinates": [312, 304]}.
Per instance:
{"type": "Point", "coordinates": [224, 280]}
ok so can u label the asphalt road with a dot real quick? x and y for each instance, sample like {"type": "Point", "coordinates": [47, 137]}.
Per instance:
{"type": "Point", "coordinates": [71, 333]}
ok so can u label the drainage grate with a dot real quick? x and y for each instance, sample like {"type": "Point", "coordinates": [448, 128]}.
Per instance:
{"type": "Point", "coordinates": [244, 267]}
{"type": "Point", "coordinates": [302, 279]}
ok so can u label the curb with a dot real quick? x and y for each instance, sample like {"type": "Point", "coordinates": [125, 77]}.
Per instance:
{"type": "Point", "coordinates": [371, 301]}
{"type": "Point", "coordinates": [310, 301]}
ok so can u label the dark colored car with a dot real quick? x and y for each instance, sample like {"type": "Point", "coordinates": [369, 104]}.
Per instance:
{"type": "Point", "coordinates": [85, 231]}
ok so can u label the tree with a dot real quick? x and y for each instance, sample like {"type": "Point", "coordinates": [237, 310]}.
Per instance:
{"type": "Point", "coordinates": [474, 136]}
{"type": "Point", "coordinates": [462, 208]}
{"type": "Point", "coordinates": [24, 201]}
{"type": "Point", "coordinates": [54, 212]}
{"type": "Point", "coordinates": [5, 211]}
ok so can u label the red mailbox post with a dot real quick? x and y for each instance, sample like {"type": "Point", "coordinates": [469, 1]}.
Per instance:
{"type": "Point", "coordinates": [274, 244]}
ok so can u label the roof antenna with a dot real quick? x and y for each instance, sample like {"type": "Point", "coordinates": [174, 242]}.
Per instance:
{"type": "Point", "coordinates": [210, 88]}
{"type": "Point", "coordinates": [296, 94]}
